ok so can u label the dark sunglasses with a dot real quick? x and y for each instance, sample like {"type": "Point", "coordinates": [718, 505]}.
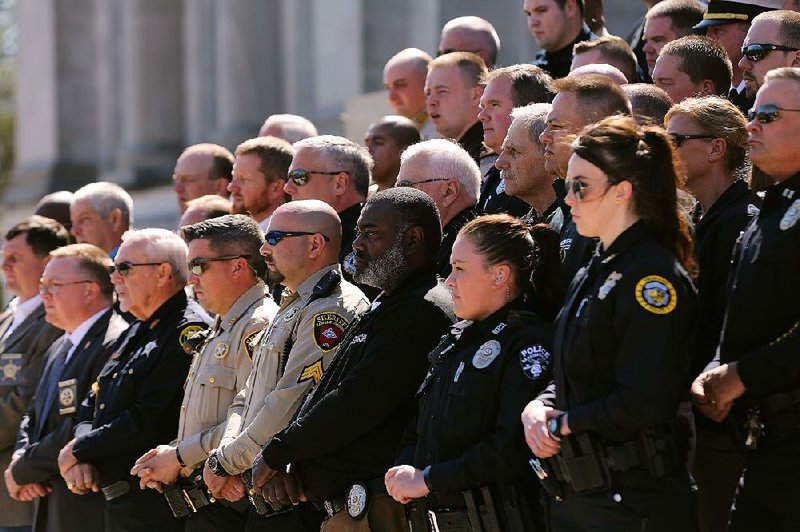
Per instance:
{"type": "Point", "coordinates": [300, 176]}
{"type": "Point", "coordinates": [757, 52]}
{"type": "Point", "coordinates": [768, 113]}
{"type": "Point", "coordinates": [198, 266]}
{"type": "Point", "coordinates": [677, 138]}
{"type": "Point", "coordinates": [124, 268]}
{"type": "Point", "coordinates": [407, 183]}
{"type": "Point", "coordinates": [273, 237]}
{"type": "Point", "coordinates": [578, 188]}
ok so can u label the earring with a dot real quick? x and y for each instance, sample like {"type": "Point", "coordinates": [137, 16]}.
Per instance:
{"type": "Point", "coordinates": [508, 294]}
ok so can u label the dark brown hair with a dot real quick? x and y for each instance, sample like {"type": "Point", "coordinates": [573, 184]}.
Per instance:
{"type": "Point", "coordinates": [531, 252]}
{"type": "Point", "coordinates": [644, 157]}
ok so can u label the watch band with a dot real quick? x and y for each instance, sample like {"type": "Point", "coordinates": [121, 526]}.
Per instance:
{"type": "Point", "coordinates": [179, 457]}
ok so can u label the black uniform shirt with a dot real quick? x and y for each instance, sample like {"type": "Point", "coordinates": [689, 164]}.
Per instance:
{"type": "Point", "coordinates": [449, 234]}
{"type": "Point", "coordinates": [762, 321]}
{"type": "Point", "coordinates": [468, 427]}
{"type": "Point", "coordinates": [472, 142]}
{"type": "Point", "coordinates": [494, 199]}
{"type": "Point", "coordinates": [715, 235]}
{"type": "Point", "coordinates": [135, 402]}
{"type": "Point", "coordinates": [575, 248]}
{"type": "Point", "coordinates": [349, 428]}
{"type": "Point", "coordinates": [557, 63]}
{"type": "Point", "coordinates": [622, 339]}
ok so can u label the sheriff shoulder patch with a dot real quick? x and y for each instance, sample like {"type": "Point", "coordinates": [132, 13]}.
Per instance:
{"type": "Point", "coordinates": [249, 343]}
{"type": "Point", "coordinates": [657, 295]}
{"type": "Point", "coordinates": [311, 372]}
{"type": "Point", "coordinates": [186, 333]}
{"type": "Point", "coordinates": [328, 328]}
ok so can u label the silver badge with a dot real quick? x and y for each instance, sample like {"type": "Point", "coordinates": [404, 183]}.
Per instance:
{"type": "Point", "coordinates": [752, 210]}
{"type": "Point", "coordinates": [357, 501]}
{"type": "Point", "coordinates": [499, 328]}
{"type": "Point", "coordinates": [486, 354]}
{"type": "Point", "coordinates": [221, 351]}
{"type": "Point", "coordinates": [790, 218]}
{"type": "Point", "coordinates": [459, 371]}
{"type": "Point", "coordinates": [501, 187]}
{"type": "Point", "coordinates": [611, 281]}
{"type": "Point", "coordinates": [349, 263]}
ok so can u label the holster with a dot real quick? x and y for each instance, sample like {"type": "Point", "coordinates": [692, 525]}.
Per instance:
{"type": "Point", "coordinates": [581, 464]}
{"type": "Point", "coordinates": [417, 515]}
{"type": "Point", "coordinates": [187, 495]}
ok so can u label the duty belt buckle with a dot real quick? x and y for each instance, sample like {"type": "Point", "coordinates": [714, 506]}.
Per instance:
{"type": "Point", "coordinates": [356, 503]}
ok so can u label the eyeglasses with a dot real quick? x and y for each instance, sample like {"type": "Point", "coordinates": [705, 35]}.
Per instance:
{"type": "Point", "coordinates": [49, 288]}
{"type": "Point", "coordinates": [407, 183]}
{"type": "Point", "coordinates": [124, 268]}
{"type": "Point", "coordinates": [768, 113]}
{"type": "Point", "coordinates": [677, 138]}
{"type": "Point", "coordinates": [578, 188]}
{"type": "Point", "coordinates": [198, 266]}
{"type": "Point", "coordinates": [273, 237]}
{"type": "Point", "coordinates": [757, 52]}
{"type": "Point", "coordinates": [300, 177]}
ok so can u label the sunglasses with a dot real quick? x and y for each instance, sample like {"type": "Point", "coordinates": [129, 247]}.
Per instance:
{"type": "Point", "coordinates": [198, 266]}
{"type": "Point", "coordinates": [273, 237]}
{"type": "Point", "coordinates": [124, 268]}
{"type": "Point", "coordinates": [49, 288]}
{"type": "Point", "coordinates": [300, 177]}
{"type": "Point", "coordinates": [757, 52]}
{"type": "Point", "coordinates": [406, 183]}
{"type": "Point", "coordinates": [678, 139]}
{"type": "Point", "coordinates": [768, 113]}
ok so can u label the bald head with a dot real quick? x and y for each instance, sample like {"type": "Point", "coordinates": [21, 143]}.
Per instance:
{"type": "Point", "coordinates": [404, 79]}
{"type": "Point", "coordinates": [612, 73]}
{"type": "Point", "coordinates": [470, 34]}
{"type": "Point", "coordinates": [313, 216]}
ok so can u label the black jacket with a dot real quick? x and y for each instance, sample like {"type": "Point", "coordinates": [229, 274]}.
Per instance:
{"type": "Point", "coordinates": [715, 236]}
{"type": "Point", "coordinates": [468, 428]}
{"type": "Point", "coordinates": [350, 426]}
{"type": "Point", "coordinates": [494, 199]}
{"type": "Point", "coordinates": [47, 428]}
{"type": "Point", "coordinates": [472, 142]}
{"type": "Point", "coordinates": [622, 339]}
{"type": "Point", "coordinates": [449, 234]}
{"type": "Point", "coordinates": [762, 320]}
{"type": "Point", "coordinates": [576, 249]}
{"type": "Point", "coordinates": [557, 63]}
{"type": "Point", "coordinates": [135, 401]}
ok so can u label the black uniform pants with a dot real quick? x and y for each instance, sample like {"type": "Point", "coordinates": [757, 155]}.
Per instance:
{"type": "Point", "coordinates": [769, 497]}
{"type": "Point", "coordinates": [141, 511]}
{"type": "Point", "coordinates": [216, 517]}
{"type": "Point", "coordinates": [636, 502]}
{"type": "Point", "coordinates": [303, 517]}
{"type": "Point", "coordinates": [718, 465]}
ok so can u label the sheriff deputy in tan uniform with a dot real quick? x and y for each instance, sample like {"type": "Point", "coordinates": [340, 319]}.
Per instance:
{"type": "Point", "coordinates": [225, 270]}
{"type": "Point", "coordinates": [301, 252]}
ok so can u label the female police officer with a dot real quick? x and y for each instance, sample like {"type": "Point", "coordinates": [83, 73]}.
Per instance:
{"type": "Point", "coordinates": [466, 446]}
{"type": "Point", "coordinates": [621, 343]}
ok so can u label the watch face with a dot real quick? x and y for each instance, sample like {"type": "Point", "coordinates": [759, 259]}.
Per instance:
{"type": "Point", "coordinates": [552, 426]}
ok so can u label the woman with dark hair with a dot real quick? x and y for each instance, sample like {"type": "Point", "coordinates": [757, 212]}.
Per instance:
{"type": "Point", "coordinates": [466, 448]}
{"type": "Point", "coordinates": [609, 425]}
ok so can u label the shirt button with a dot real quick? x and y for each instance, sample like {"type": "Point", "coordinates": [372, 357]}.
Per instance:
{"type": "Point", "coordinates": [130, 372]}
{"type": "Point", "coordinates": [183, 407]}
{"type": "Point", "coordinates": [114, 376]}
{"type": "Point", "coordinates": [211, 380]}
{"type": "Point", "coordinates": [102, 406]}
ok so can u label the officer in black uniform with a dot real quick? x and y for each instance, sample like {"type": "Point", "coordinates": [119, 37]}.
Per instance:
{"type": "Point", "coordinates": [614, 438]}
{"type": "Point", "coordinates": [135, 402]}
{"type": "Point", "coordinates": [760, 339]}
{"type": "Point", "coordinates": [345, 436]}
{"type": "Point", "coordinates": [469, 458]}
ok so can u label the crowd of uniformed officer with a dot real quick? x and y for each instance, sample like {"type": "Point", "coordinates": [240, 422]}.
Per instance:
{"type": "Point", "coordinates": [487, 401]}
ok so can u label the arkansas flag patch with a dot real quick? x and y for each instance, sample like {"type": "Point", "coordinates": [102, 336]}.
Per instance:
{"type": "Point", "coordinates": [328, 329]}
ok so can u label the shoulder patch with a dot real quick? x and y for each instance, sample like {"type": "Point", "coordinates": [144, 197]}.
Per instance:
{"type": "Point", "coordinates": [186, 333]}
{"type": "Point", "coordinates": [249, 343]}
{"type": "Point", "coordinates": [535, 360]}
{"type": "Point", "coordinates": [311, 372]}
{"type": "Point", "coordinates": [328, 329]}
{"type": "Point", "coordinates": [655, 294]}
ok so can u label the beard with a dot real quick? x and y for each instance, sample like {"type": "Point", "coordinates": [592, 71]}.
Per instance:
{"type": "Point", "coordinates": [384, 271]}
{"type": "Point", "coordinates": [275, 274]}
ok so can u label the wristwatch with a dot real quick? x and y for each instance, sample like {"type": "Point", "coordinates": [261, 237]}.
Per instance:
{"type": "Point", "coordinates": [215, 466]}
{"type": "Point", "coordinates": [554, 426]}
{"type": "Point", "coordinates": [426, 478]}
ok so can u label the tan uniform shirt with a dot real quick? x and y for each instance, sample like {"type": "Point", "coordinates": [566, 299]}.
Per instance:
{"type": "Point", "coordinates": [273, 392]}
{"type": "Point", "coordinates": [219, 371]}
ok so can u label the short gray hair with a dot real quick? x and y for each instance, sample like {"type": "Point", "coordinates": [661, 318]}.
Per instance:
{"type": "Point", "coordinates": [347, 156]}
{"type": "Point", "coordinates": [787, 73]}
{"type": "Point", "coordinates": [446, 159]}
{"type": "Point", "coordinates": [161, 244]}
{"type": "Point", "coordinates": [105, 197]}
{"type": "Point", "coordinates": [532, 118]}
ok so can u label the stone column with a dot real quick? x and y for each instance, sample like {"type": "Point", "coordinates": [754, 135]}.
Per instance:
{"type": "Point", "coordinates": [200, 68]}
{"type": "Point", "coordinates": [152, 91]}
{"type": "Point", "coordinates": [56, 91]}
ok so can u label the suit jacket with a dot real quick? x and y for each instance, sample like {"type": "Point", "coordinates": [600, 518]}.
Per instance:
{"type": "Point", "coordinates": [46, 428]}
{"type": "Point", "coordinates": [21, 359]}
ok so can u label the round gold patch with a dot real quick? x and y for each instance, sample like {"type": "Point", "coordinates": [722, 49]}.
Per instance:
{"type": "Point", "coordinates": [657, 295]}
{"type": "Point", "coordinates": [187, 333]}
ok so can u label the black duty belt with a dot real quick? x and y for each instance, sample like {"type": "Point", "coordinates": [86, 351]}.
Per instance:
{"type": "Point", "coordinates": [356, 500]}
{"type": "Point", "coordinates": [116, 490]}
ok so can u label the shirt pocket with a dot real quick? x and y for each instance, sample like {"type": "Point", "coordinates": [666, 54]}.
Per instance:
{"type": "Point", "coordinates": [217, 389]}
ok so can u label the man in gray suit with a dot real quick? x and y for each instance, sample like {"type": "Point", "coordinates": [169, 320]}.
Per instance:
{"type": "Point", "coordinates": [77, 293]}
{"type": "Point", "coordinates": [24, 338]}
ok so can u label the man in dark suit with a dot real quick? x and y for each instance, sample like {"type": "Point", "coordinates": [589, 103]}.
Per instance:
{"type": "Point", "coordinates": [24, 338]}
{"type": "Point", "coordinates": [77, 294]}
